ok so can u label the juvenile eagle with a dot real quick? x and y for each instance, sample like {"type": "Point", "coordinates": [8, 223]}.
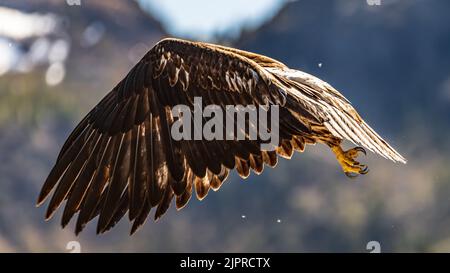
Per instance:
{"type": "Point", "coordinates": [121, 156]}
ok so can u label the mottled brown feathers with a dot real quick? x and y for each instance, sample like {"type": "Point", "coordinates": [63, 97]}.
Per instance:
{"type": "Point", "coordinates": [121, 157]}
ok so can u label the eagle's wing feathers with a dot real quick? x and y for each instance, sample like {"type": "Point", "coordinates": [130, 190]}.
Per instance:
{"type": "Point", "coordinates": [121, 157]}
{"type": "Point", "coordinates": [338, 115]}
{"type": "Point", "coordinates": [341, 114]}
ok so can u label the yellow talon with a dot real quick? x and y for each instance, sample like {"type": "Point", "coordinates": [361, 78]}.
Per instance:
{"type": "Point", "coordinates": [346, 159]}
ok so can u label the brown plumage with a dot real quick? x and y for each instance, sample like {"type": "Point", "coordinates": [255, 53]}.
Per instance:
{"type": "Point", "coordinates": [121, 157]}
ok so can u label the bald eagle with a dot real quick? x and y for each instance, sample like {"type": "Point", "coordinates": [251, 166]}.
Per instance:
{"type": "Point", "coordinates": [121, 157]}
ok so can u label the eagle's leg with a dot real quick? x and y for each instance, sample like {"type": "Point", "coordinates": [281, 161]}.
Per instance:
{"type": "Point", "coordinates": [346, 159]}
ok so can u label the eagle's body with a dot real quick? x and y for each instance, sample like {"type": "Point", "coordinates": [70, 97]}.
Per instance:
{"type": "Point", "coordinates": [122, 158]}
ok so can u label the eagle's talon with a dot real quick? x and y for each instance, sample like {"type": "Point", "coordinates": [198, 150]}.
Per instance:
{"type": "Point", "coordinates": [346, 159]}
{"type": "Point", "coordinates": [360, 149]}
{"type": "Point", "coordinates": [353, 153]}
{"type": "Point", "coordinates": [364, 170]}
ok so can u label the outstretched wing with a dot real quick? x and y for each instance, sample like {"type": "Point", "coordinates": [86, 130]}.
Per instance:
{"type": "Point", "coordinates": [121, 157]}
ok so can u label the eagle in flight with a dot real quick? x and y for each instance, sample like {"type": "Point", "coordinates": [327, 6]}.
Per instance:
{"type": "Point", "coordinates": [121, 157]}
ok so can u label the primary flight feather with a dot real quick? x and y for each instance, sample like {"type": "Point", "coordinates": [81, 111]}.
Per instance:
{"type": "Point", "coordinates": [121, 157]}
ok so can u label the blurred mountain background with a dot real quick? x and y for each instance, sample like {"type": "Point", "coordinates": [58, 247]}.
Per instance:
{"type": "Point", "coordinates": [391, 60]}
